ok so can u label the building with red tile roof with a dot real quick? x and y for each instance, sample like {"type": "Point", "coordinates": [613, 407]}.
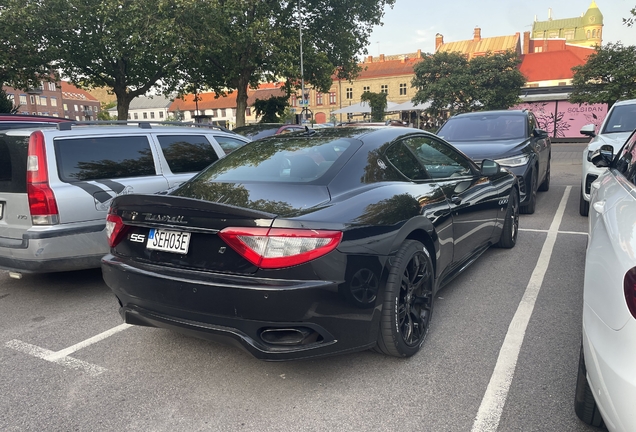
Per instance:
{"type": "Point", "coordinates": [78, 104]}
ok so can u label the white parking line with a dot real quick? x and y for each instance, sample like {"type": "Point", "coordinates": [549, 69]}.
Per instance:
{"type": "Point", "coordinates": [62, 357]}
{"type": "Point", "coordinates": [492, 404]}
{"type": "Point", "coordinates": [558, 232]}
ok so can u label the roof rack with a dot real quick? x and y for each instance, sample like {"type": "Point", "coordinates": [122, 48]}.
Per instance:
{"type": "Point", "coordinates": [64, 126]}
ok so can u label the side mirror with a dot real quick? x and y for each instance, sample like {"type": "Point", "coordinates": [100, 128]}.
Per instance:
{"type": "Point", "coordinates": [489, 167]}
{"type": "Point", "coordinates": [539, 133]}
{"type": "Point", "coordinates": [589, 130]}
{"type": "Point", "coordinates": [602, 158]}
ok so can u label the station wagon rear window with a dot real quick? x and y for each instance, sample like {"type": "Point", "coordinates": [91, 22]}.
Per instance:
{"type": "Point", "coordinates": [83, 159]}
{"type": "Point", "coordinates": [187, 153]}
{"type": "Point", "coordinates": [13, 156]}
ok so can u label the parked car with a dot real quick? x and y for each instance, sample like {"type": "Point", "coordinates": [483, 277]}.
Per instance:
{"type": "Point", "coordinates": [606, 384]}
{"type": "Point", "coordinates": [262, 130]}
{"type": "Point", "coordinates": [616, 127]}
{"type": "Point", "coordinates": [303, 245]}
{"type": "Point", "coordinates": [513, 139]}
{"type": "Point", "coordinates": [56, 185]}
{"type": "Point", "coordinates": [15, 121]}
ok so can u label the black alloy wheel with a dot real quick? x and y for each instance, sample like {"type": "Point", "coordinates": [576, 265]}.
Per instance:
{"type": "Point", "coordinates": [408, 301]}
{"type": "Point", "coordinates": [530, 207]}
{"type": "Point", "coordinates": [511, 222]}
{"type": "Point", "coordinates": [545, 186]}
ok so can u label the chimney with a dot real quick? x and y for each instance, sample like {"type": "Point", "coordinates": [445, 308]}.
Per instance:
{"type": "Point", "coordinates": [381, 57]}
{"type": "Point", "coordinates": [526, 42]}
{"type": "Point", "coordinates": [439, 41]}
{"type": "Point", "coordinates": [549, 14]}
{"type": "Point", "coordinates": [370, 59]}
{"type": "Point", "coordinates": [419, 52]}
{"type": "Point", "coordinates": [477, 35]}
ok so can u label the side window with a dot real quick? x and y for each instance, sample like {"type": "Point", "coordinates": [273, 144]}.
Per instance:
{"type": "Point", "coordinates": [229, 144]}
{"type": "Point", "coordinates": [532, 124]}
{"type": "Point", "coordinates": [626, 163]}
{"type": "Point", "coordinates": [439, 159]}
{"type": "Point", "coordinates": [85, 159]}
{"type": "Point", "coordinates": [187, 153]}
{"type": "Point", "coordinates": [405, 161]}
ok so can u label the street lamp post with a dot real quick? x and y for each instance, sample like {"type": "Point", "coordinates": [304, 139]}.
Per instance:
{"type": "Point", "coordinates": [302, 71]}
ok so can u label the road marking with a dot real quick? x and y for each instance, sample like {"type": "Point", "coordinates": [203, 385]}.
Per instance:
{"type": "Point", "coordinates": [558, 232]}
{"type": "Point", "coordinates": [494, 399]}
{"type": "Point", "coordinates": [62, 357]}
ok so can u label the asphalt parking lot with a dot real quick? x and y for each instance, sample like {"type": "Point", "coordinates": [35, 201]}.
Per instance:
{"type": "Point", "coordinates": [502, 353]}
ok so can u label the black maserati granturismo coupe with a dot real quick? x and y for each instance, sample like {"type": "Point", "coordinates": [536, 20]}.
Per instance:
{"type": "Point", "coordinates": [311, 243]}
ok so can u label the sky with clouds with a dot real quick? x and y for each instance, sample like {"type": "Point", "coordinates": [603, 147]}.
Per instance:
{"type": "Point", "coordinates": [412, 24]}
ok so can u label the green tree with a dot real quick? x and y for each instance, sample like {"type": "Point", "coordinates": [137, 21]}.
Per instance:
{"type": "Point", "coordinates": [235, 44]}
{"type": "Point", "coordinates": [127, 46]}
{"type": "Point", "coordinates": [608, 76]}
{"type": "Point", "coordinates": [450, 82]}
{"type": "Point", "coordinates": [377, 103]}
{"type": "Point", "coordinates": [6, 104]}
{"type": "Point", "coordinates": [271, 110]}
{"type": "Point", "coordinates": [629, 21]}
{"type": "Point", "coordinates": [24, 57]}
{"type": "Point", "coordinates": [103, 113]}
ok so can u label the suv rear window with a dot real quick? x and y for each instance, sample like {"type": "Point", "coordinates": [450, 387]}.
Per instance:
{"type": "Point", "coordinates": [484, 127]}
{"type": "Point", "coordinates": [622, 119]}
{"type": "Point", "coordinates": [187, 153]}
{"type": "Point", "coordinates": [85, 159]}
{"type": "Point", "coordinates": [13, 158]}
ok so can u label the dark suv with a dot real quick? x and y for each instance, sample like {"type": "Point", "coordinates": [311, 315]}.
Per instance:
{"type": "Point", "coordinates": [513, 139]}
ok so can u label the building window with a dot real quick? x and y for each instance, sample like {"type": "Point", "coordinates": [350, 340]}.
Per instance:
{"type": "Point", "coordinates": [23, 99]}
{"type": "Point", "coordinates": [538, 49]}
{"type": "Point", "coordinates": [160, 114]}
{"type": "Point", "coordinates": [75, 107]}
{"type": "Point", "coordinates": [53, 101]}
{"type": "Point", "coordinates": [76, 118]}
{"type": "Point", "coordinates": [41, 86]}
{"type": "Point", "coordinates": [588, 34]}
{"type": "Point", "coordinates": [145, 115]}
{"type": "Point", "coordinates": [366, 89]}
{"type": "Point", "coordinates": [402, 89]}
{"type": "Point", "coordinates": [384, 88]}
{"type": "Point", "coordinates": [32, 99]}
{"type": "Point", "coordinates": [318, 98]}
{"type": "Point", "coordinates": [128, 116]}
{"type": "Point", "coordinates": [349, 93]}
{"type": "Point", "coordinates": [43, 100]}
{"type": "Point", "coordinates": [136, 115]}
{"type": "Point", "coordinates": [51, 86]}
{"type": "Point", "coordinates": [248, 111]}
{"type": "Point", "coordinates": [332, 98]}
{"type": "Point", "coordinates": [593, 33]}
{"type": "Point", "coordinates": [11, 98]}
{"type": "Point", "coordinates": [65, 107]}
{"type": "Point", "coordinates": [222, 112]}
{"type": "Point", "coordinates": [152, 114]}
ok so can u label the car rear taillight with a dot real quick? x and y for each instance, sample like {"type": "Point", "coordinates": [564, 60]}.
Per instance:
{"type": "Point", "coordinates": [277, 247]}
{"type": "Point", "coordinates": [629, 285]}
{"type": "Point", "coordinates": [42, 204]}
{"type": "Point", "coordinates": [115, 228]}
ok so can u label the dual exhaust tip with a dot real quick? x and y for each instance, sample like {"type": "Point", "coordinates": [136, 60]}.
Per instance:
{"type": "Point", "coordinates": [292, 336]}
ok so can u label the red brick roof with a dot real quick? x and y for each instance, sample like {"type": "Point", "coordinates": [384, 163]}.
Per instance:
{"type": "Point", "coordinates": [209, 100]}
{"type": "Point", "coordinates": [69, 91]}
{"type": "Point", "coordinates": [379, 69]}
{"type": "Point", "coordinates": [551, 65]}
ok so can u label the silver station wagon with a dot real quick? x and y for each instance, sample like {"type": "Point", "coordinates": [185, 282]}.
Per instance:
{"type": "Point", "coordinates": [56, 185]}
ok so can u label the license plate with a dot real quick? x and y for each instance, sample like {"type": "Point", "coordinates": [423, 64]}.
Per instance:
{"type": "Point", "coordinates": [168, 241]}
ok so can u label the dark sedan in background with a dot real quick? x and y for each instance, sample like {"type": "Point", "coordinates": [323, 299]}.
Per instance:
{"type": "Point", "coordinates": [310, 244]}
{"type": "Point", "coordinates": [513, 139]}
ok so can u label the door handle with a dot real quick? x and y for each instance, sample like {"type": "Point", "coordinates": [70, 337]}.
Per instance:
{"type": "Point", "coordinates": [456, 200]}
{"type": "Point", "coordinates": [599, 206]}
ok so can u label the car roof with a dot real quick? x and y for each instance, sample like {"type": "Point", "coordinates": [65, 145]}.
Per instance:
{"type": "Point", "coordinates": [626, 102]}
{"type": "Point", "coordinates": [77, 130]}
{"type": "Point", "coordinates": [31, 118]}
{"type": "Point", "coordinates": [481, 113]}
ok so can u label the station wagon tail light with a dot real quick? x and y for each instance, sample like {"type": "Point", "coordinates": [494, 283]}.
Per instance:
{"type": "Point", "coordinates": [115, 228]}
{"type": "Point", "coordinates": [629, 285]}
{"type": "Point", "coordinates": [42, 204]}
{"type": "Point", "coordinates": [273, 248]}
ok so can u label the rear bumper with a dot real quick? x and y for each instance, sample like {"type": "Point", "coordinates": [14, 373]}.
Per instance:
{"type": "Point", "coordinates": [245, 311]}
{"type": "Point", "coordinates": [54, 250]}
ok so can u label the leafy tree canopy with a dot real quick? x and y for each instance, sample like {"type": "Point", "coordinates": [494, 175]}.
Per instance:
{"type": "Point", "coordinates": [6, 104]}
{"type": "Point", "coordinates": [451, 82]}
{"type": "Point", "coordinates": [629, 21]}
{"type": "Point", "coordinates": [271, 110]}
{"type": "Point", "coordinates": [377, 103]}
{"type": "Point", "coordinates": [608, 76]}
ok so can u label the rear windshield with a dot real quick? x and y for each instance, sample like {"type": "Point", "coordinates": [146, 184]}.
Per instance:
{"type": "Point", "coordinates": [85, 159]}
{"type": "Point", "coordinates": [621, 119]}
{"type": "Point", "coordinates": [280, 160]}
{"type": "Point", "coordinates": [484, 127]}
{"type": "Point", "coordinates": [13, 158]}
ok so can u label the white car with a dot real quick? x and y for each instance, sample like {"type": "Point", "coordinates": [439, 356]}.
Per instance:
{"type": "Point", "coordinates": [606, 385]}
{"type": "Point", "coordinates": [618, 124]}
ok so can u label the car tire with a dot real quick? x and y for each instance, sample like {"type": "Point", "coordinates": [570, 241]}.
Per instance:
{"type": "Point", "coordinates": [510, 229]}
{"type": "Point", "coordinates": [584, 403]}
{"type": "Point", "coordinates": [545, 185]}
{"type": "Point", "coordinates": [530, 207]}
{"type": "Point", "coordinates": [584, 206]}
{"type": "Point", "coordinates": [408, 301]}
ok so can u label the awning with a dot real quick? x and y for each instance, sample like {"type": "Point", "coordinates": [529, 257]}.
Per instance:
{"type": "Point", "coordinates": [362, 108]}
{"type": "Point", "coordinates": [409, 106]}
